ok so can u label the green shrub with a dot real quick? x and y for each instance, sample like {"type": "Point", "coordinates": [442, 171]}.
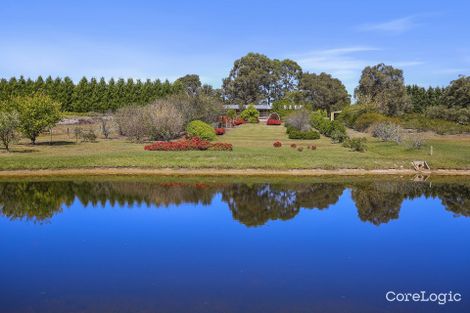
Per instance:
{"type": "Point", "coordinates": [416, 142]}
{"type": "Point", "coordinates": [36, 114]}
{"type": "Point", "coordinates": [350, 114]}
{"type": "Point", "coordinates": [366, 120]}
{"type": "Point", "coordinates": [200, 129]}
{"type": "Point", "coordinates": [387, 131]}
{"type": "Point", "coordinates": [333, 129]}
{"type": "Point", "coordinates": [9, 123]}
{"type": "Point", "coordinates": [356, 144]}
{"type": "Point", "coordinates": [88, 136]}
{"type": "Point", "coordinates": [455, 114]}
{"type": "Point", "coordinates": [232, 113]}
{"type": "Point", "coordinates": [423, 123]}
{"type": "Point", "coordinates": [250, 114]}
{"type": "Point", "coordinates": [303, 135]}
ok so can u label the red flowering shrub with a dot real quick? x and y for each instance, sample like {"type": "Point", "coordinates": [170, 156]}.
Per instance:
{"type": "Point", "coordinates": [194, 143]}
{"type": "Point", "coordinates": [277, 144]}
{"type": "Point", "coordinates": [221, 146]}
{"type": "Point", "coordinates": [220, 131]}
{"type": "Point", "coordinates": [273, 122]}
{"type": "Point", "coordinates": [293, 145]}
{"type": "Point", "coordinates": [186, 144]}
{"type": "Point", "coordinates": [239, 121]}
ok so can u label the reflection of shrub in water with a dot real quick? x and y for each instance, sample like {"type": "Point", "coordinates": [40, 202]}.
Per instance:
{"type": "Point", "coordinates": [318, 196]}
{"type": "Point", "coordinates": [257, 204]}
{"type": "Point", "coordinates": [376, 206]}
{"type": "Point", "coordinates": [377, 202]}
{"type": "Point", "coordinates": [37, 202]}
{"type": "Point", "coordinates": [456, 198]}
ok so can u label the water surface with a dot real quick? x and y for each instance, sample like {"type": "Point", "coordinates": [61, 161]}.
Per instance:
{"type": "Point", "coordinates": [215, 245]}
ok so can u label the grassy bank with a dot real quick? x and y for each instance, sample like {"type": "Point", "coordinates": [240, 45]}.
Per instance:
{"type": "Point", "coordinates": [252, 149]}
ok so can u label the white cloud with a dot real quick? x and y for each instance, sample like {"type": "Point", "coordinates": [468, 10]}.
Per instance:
{"type": "Point", "coordinates": [395, 26]}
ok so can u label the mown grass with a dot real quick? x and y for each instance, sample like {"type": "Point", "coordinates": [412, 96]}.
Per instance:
{"type": "Point", "coordinates": [252, 149]}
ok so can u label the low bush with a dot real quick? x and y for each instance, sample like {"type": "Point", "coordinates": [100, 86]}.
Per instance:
{"type": "Point", "coordinates": [194, 143]}
{"type": "Point", "coordinates": [277, 144]}
{"type": "Point", "coordinates": [250, 114]}
{"type": "Point", "coordinates": [299, 120]}
{"type": "Point", "coordinates": [350, 114]}
{"type": "Point", "coordinates": [312, 147]}
{"type": "Point", "coordinates": [387, 131]}
{"type": "Point", "coordinates": [200, 129]}
{"type": "Point", "coordinates": [221, 146]}
{"type": "Point", "coordinates": [423, 123]}
{"type": "Point", "coordinates": [273, 122]}
{"type": "Point", "coordinates": [416, 142]}
{"type": "Point", "coordinates": [454, 114]}
{"type": "Point", "coordinates": [88, 136]}
{"type": "Point", "coordinates": [364, 121]}
{"type": "Point", "coordinates": [238, 121]}
{"type": "Point", "coordinates": [333, 129]}
{"type": "Point", "coordinates": [293, 145]}
{"type": "Point", "coordinates": [220, 131]}
{"type": "Point", "coordinates": [231, 113]}
{"type": "Point", "coordinates": [356, 144]}
{"type": "Point", "coordinates": [303, 135]}
{"type": "Point", "coordinates": [337, 132]}
{"type": "Point", "coordinates": [300, 149]}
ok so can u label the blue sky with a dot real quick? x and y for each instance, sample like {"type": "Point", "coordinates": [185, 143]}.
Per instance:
{"type": "Point", "coordinates": [429, 40]}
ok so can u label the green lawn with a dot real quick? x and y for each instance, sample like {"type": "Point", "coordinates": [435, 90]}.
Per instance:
{"type": "Point", "coordinates": [252, 149]}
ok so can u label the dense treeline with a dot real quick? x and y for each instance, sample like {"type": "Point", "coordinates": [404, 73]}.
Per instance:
{"type": "Point", "coordinates": [89, 95]}
{"type": "Point", "coordinates": [257, 79]}
{"type": "Point", "coordinates": [423, 98]}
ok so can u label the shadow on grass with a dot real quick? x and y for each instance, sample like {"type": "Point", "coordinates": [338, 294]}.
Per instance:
{"type": "Point", "coordinates": [53, 143]}
{"type": "Point", "coordinates": [13, 151]}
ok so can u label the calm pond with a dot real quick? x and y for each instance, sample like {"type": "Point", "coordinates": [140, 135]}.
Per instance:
{"type": "Point", "coordinates": [148, 244]}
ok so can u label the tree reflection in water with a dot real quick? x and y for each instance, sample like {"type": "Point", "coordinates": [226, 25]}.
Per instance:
{"type": "Point", "coordinates": [252, 205]}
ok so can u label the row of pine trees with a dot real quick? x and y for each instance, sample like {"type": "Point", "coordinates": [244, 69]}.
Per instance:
{"type": "Point", "coordinates": [89, 95]}
{"type": "Point", "coordinates": [422, 98]}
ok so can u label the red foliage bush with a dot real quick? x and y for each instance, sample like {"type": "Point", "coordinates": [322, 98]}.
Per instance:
{"type": "Point", "coordinates": [312, 147]}
{"type": "Point", "coordinates": [186, 144]}
{"type": "Point", "coordinates": [273, 122]}
{"type": "Point", "coordinates": [194, 143]}
{"type": "Point", "coordinates": [239, 121]}
{"type": "Point", "coordinates": [220, 131]}
{"type": "Point", "coordinates": [221, 146]}
{"type": "Point", "coordinates": [277, 144]}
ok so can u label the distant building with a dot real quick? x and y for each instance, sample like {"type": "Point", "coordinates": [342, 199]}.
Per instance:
{"type": "Point", "coordinates": [263, 107]}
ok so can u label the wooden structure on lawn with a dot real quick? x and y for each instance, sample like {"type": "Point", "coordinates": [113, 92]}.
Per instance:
{"type": "Point", "coordinates": [332, 115]}
{"type": "Point", "coordinates": [420, 165]}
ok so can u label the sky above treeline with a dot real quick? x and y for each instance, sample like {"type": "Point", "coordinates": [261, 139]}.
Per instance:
{"type": "Point", "coordinates": [429, 40]}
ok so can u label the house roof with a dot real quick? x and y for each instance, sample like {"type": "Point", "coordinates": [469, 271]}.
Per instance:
{"type": "Point", "coordinates": [257, 106]}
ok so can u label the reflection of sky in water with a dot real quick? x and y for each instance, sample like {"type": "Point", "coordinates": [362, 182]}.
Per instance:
{"type": "Point", "coordinates": [197, 258]}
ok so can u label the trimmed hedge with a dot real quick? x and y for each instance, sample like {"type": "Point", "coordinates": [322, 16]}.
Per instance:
{"type": "Point", "coordinates": [200, 129]}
